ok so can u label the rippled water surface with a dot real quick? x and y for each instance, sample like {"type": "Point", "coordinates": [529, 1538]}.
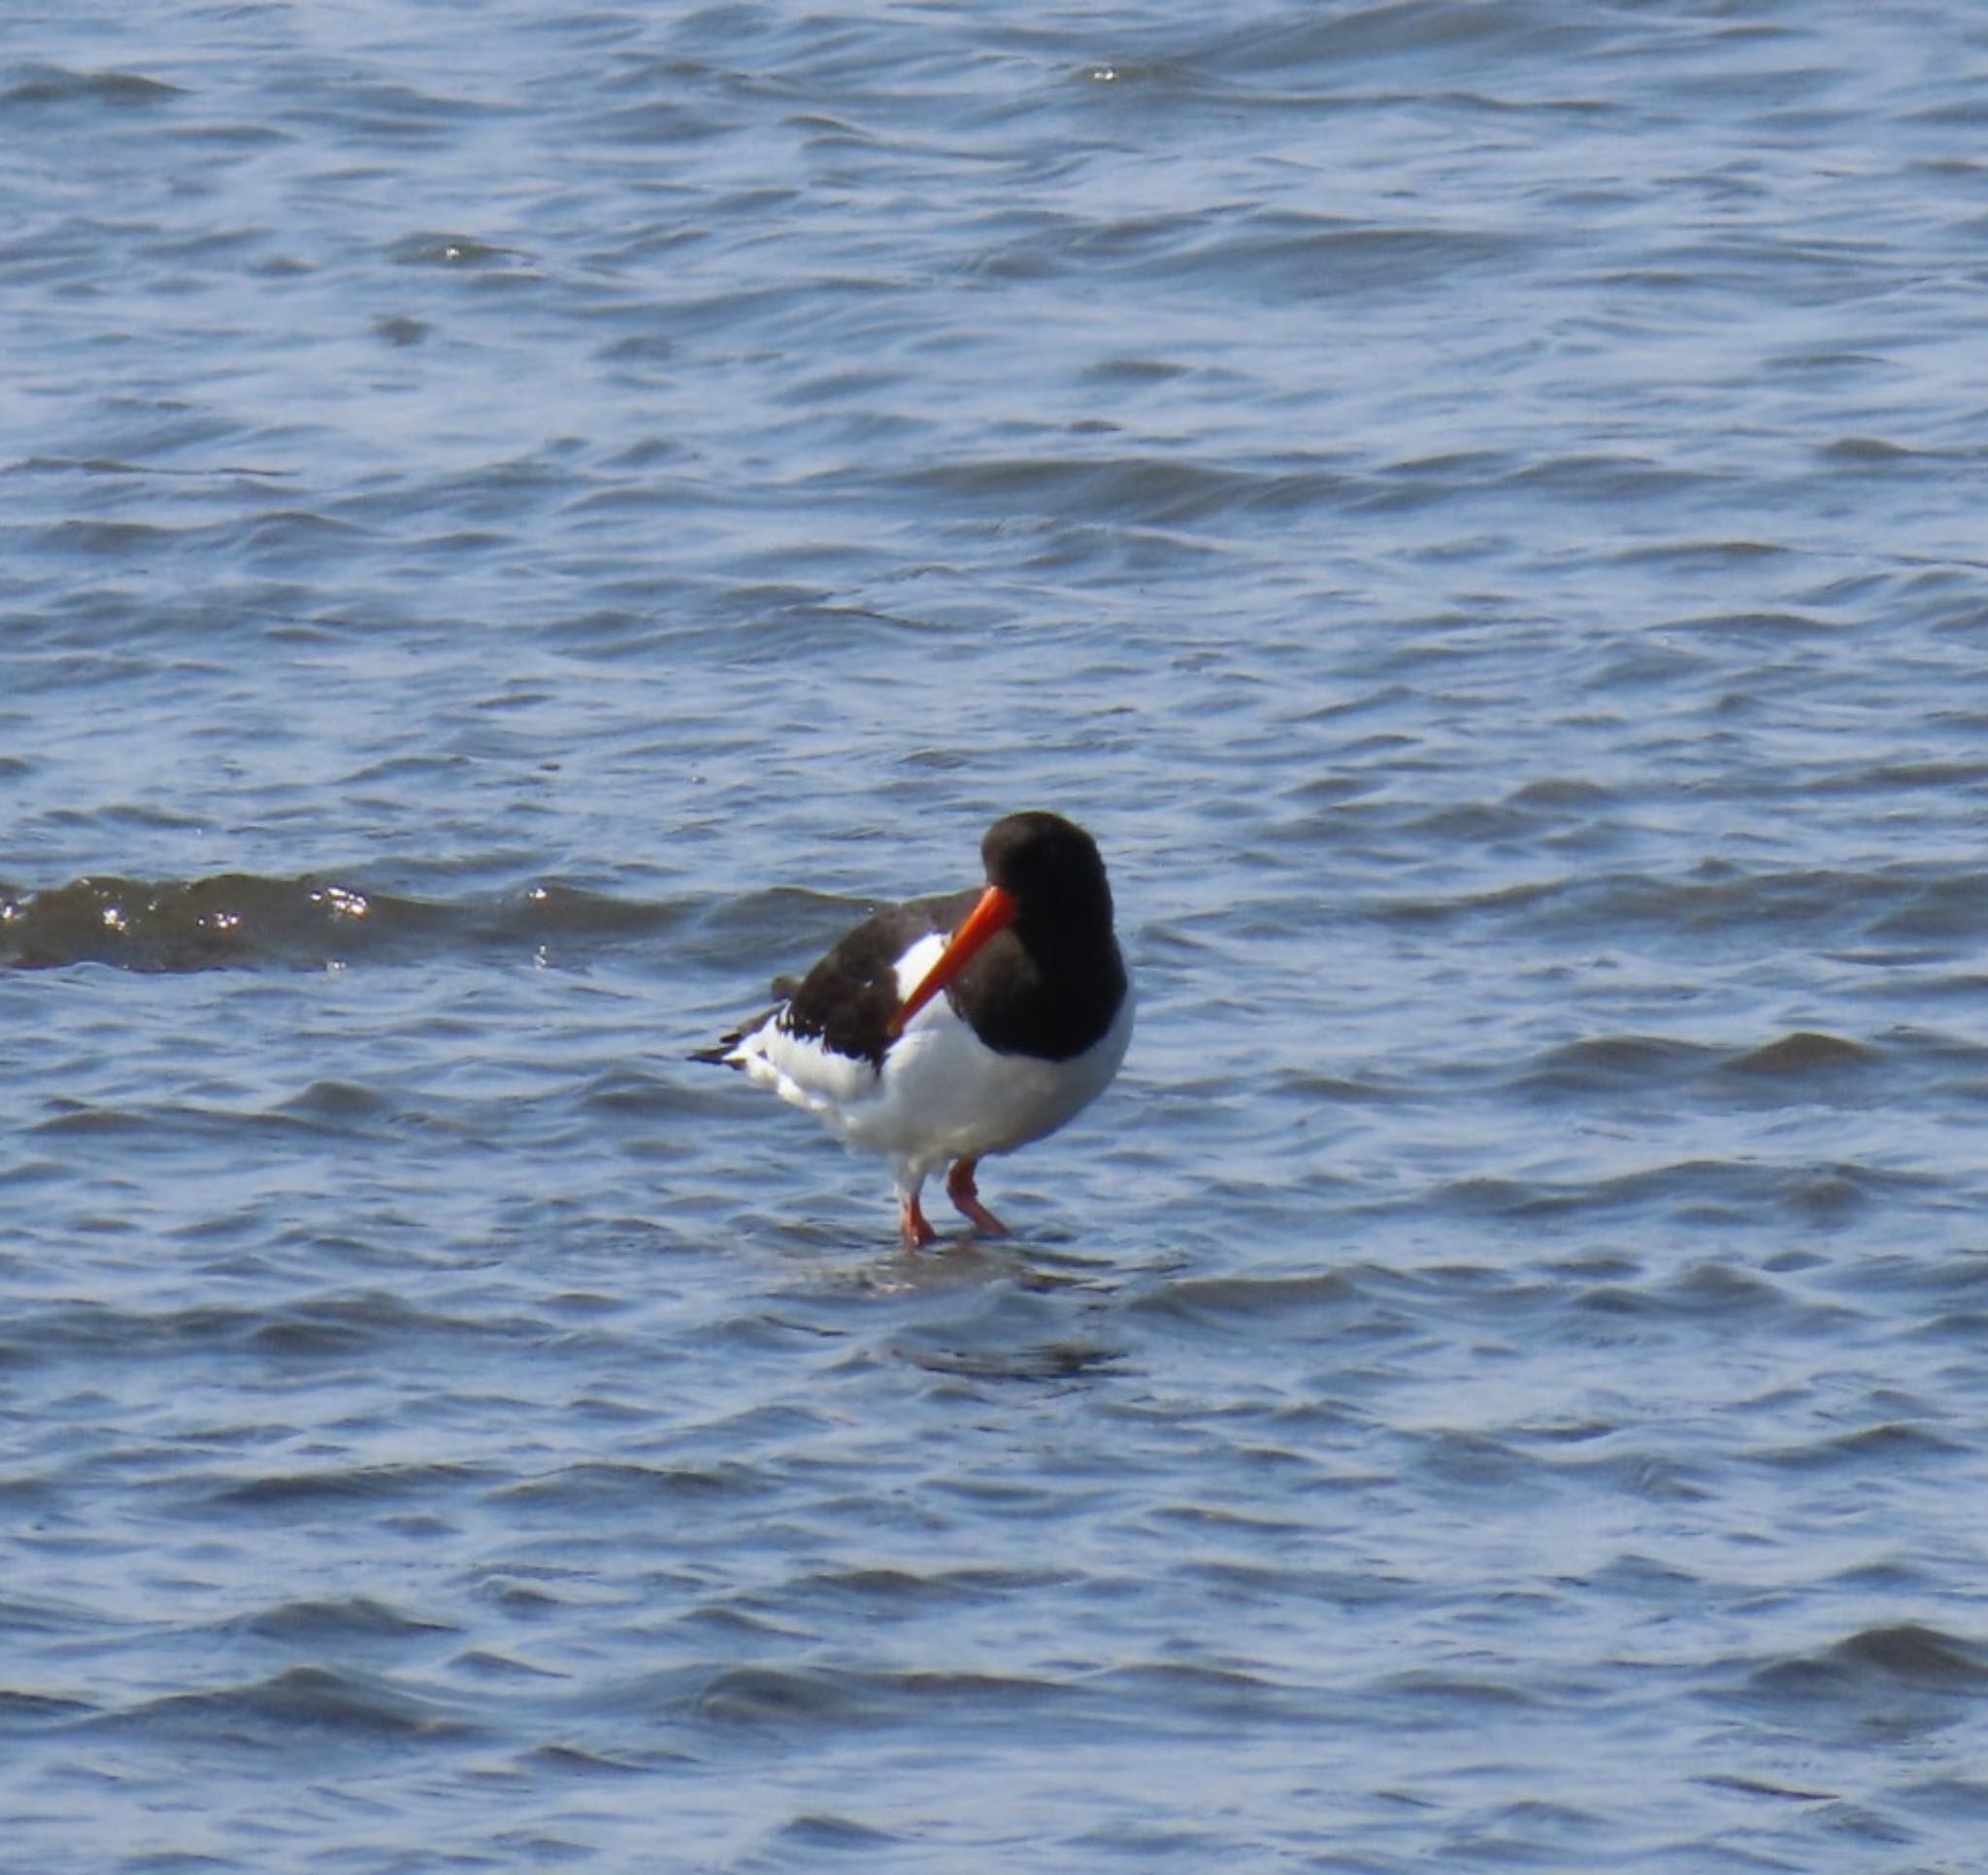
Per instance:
{"type": "Point", "coordinates": [520, 522]}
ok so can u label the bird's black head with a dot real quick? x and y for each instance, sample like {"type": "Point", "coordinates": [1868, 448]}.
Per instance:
{"type": "Point", "coordinates": [1051, 867]}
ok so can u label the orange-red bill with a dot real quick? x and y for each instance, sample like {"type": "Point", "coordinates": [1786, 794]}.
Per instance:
{"type": "Point", "coordinates": [995, 912]}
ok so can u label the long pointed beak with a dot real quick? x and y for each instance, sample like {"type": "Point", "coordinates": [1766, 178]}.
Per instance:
{"type": "Point", "coordinates": [995, 912]}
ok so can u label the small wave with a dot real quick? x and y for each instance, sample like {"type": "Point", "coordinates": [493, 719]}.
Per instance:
{"type": "Point", "coordinates": [54, 84]}
{"type": "Point", "coordinates": [600, 1483]}
{"type": "Point", "coordinates": [897, 1590]}
{"type": "Point", "coordinates": [356, 1619]}
{"type": "Point", "coordinates": [449, 250]}
{"type": "Point", "coordinates": [334, 1323]}
{"type": "Point", "coordinates": [1288, 43]}
{"type": "Point", "coordinates": [1803, 1052]}
{"type": "Point", "coordinates": [1819, 903]}
{"type": "Point", "coordinates": [1242, 1303]}
{"type": "Point", "coordinates": [1283, 257]}
{"type": "Point", "coordinates": [1612, 1064]}
{"type": "Point", "coordinates": [822, 1699]}
{"type": "Point", "coordinates": [1709, 1187]}
{"type": "Point", "coordinates": [242, 921]}
{"type": "Point", "coordinates": [1868, 451]}
{"type": "Point", "coordinates": [285, 1492]}
{"type": "Point", "coordinates": [1906, 1654]}
{"type": "Point", "coordinates": [1802, 1067]}
{"type": "Point", "coordinates": [1938, 911]}
{"type": "Point", "coordinates": [1458, 1689]}
{"type": "Point", "coordinates": [1890, 1447]}
{"type": "Point", "coordinates": [1712, 1292]}
{"type": "Point", "coordinates": [1048, 1361]}
{"type": "Point", "coordinates": [1155, 491]}
{"type": "Point", "coordinates": [316, 1699]}
{"type": "Point", "coordinates": [577, 1761]}
{"type": "Point", "coordinates": [30, 1711]}
{"type": "Point", "coordinates": [835, 1833]}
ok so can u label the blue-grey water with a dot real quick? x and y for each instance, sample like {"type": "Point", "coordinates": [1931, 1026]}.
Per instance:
{"type": "Point", "coordinates": [519, 522]}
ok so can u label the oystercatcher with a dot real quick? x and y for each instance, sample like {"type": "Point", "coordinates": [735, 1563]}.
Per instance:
{"type": "Point", "coordinates": [952, 1027]}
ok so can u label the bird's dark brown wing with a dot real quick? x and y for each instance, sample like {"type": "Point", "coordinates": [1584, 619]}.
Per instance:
{"type": "Point", "coordinates": [847, 1000]}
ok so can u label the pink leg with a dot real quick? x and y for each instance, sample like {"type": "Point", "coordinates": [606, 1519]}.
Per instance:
{"type": "Point", "coordinates": [966, 1198]}
{"type": "Point", "coordinates": [912, 1223]}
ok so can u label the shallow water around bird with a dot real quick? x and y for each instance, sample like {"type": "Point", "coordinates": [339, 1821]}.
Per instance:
{"type": "Point", "coordinates": [521, 524]}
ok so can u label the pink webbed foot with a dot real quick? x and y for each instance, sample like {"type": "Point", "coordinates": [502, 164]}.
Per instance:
{"type": "Point", "coordinates": [966, 1198]}
{"type": "Point", "coordinates": [912, 1223]}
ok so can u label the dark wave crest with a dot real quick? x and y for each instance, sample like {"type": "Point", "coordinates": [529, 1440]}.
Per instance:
{"type": "Point", "coordinates": [240, 921]}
